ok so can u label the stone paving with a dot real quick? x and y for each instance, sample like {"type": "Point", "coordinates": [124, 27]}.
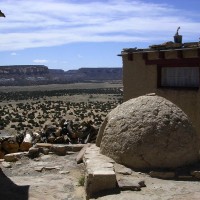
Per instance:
{"type": "Point", "coordinates": [107, 180]}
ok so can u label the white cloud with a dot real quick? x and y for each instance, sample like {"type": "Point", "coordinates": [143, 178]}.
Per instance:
{"type": "Point", "coordinates": [30, 24]}
{"type": "Point", "coordinates": [40, 61]}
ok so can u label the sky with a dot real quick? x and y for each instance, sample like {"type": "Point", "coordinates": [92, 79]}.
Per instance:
{"type": "Point", "coordinates": [71, 34]}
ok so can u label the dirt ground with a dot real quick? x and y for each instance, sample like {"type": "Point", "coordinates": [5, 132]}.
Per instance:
{"type": "Point", "coordinates": [52, 177]}
{"type": "Point", "coordinates": [49, 177]}
{"type": "Point", "coordinates": [158, 189]}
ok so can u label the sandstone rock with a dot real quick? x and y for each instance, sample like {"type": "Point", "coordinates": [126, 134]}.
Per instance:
{"type": "Point", "coordinates": [59, 150]}
{"type": "Point", "coordinates": [121, 169]}
{"type": "Point", "coordinates": [99, 180]}
{"type": "Point", "coordinates": [148, 132]}
{"type": "Point", "coordinates": [12, 157]}
{"type": "Point", "coordinates": [162, 175]}
{"type": "Point", "coordinates": [79, 157]}
{"type": "Point", "coordinates": [100, 173]}
{"type": "Point", "coordinates": [39, 168]}
{"type": "Point", "coordinates": [43, 145]}
{"type": "Point", "coordinates": [130, 183]}
{"type": "Point", "coordinates": [6, 164]}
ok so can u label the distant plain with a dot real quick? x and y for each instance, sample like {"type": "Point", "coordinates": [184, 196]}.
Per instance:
{"type": "Point", "coordinates": [32, 107]}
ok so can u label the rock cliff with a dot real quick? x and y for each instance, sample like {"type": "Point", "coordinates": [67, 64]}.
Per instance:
{"type": "Point", "coordinates": [23, 70]}
{"type": "Point", "coordinates": [40, 74]}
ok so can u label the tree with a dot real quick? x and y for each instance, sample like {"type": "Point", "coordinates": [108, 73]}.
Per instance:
{"type": "Point", "coordinates": [2, 14]}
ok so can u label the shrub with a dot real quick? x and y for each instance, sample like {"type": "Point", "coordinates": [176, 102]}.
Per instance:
{"type": "Point", "coordinates": [81, 181]}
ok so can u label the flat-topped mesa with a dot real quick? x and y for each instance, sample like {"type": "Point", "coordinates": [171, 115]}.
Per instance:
{"type": "Point", "coordinates": [23, 70]}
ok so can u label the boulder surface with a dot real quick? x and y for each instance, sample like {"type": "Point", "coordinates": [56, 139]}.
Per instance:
{"type": "Point", "coordinates": [148, 132]}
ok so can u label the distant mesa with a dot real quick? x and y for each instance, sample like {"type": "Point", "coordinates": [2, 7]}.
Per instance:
{"type": "Point", "coordinates": [23, 70]}
{"type": "Point", "coordinates": [41, 74]}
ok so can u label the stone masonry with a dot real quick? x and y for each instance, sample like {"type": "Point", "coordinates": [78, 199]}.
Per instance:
{"type": "Point", "coordinates": [100, 174]}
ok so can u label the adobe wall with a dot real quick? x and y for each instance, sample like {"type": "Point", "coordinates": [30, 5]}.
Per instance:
{"type": "Point", "coordinates": [140, 78]}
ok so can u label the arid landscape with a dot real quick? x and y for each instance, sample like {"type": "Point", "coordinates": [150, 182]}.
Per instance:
{"type": "Point", "coordinates": [33, 107]}
{"type": "Point", "coordinates": [99, 100]}
{"type": "Point", "coordinates": [46, 174]}
{"type": "Point", "coordinates": [30, 108]}
{"type": "Point", "coordinates": [47, 177]}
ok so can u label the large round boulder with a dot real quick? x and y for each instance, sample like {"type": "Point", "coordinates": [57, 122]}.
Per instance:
{"type": "Point", "coordinates": [148, 132]}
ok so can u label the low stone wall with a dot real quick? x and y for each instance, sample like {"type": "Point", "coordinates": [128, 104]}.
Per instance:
{"type": "Point", "coordinates": [104, 174]}
{"type": "Point", "coordinates": [100, 174]}
{"type": "Point", "coordinates": [43, 148]}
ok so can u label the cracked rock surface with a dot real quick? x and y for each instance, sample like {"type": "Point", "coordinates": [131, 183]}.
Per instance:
{"type": "Point", "coordinates": [47, 177]}
{"type": "Point", "coordinates": [148, 132]}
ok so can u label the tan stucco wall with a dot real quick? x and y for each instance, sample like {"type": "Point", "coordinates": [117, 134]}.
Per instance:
{"type": "Point", "coordinates": [140, 79]}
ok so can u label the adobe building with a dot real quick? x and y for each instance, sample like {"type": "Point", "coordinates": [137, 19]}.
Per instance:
{"type": "Point", "coordinates": [171, 70]}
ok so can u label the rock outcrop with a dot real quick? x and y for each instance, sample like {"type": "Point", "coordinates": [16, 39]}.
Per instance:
{"type": "Point", "coordinates": [40, 74]}
{"type": "Point", "coordinates": [23, 74]}
{"type": "Point", "coordinates": [148, 132]}
{"type": "Point", "coordinates": [23, 70]}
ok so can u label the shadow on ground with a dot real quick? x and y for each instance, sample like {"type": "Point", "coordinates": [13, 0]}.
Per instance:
{"type": "Point", "coordinates": [105, 193]}
{"type": "Point", "coordinates": [11, 191]}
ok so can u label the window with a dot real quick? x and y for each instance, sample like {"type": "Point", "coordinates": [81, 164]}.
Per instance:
{"type": "Point", "coordinates": [179, 77]}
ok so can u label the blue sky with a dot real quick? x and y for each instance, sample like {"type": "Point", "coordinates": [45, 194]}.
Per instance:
{"type": "Point", "coordinates": [70, 34]}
